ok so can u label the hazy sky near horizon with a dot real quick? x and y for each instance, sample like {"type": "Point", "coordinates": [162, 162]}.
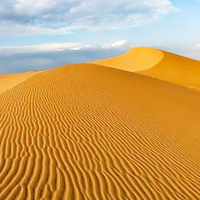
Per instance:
{"type": "Point", "coordinates": [79, 31]}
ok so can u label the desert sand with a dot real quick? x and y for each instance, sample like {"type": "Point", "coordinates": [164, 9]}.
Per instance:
{"type": "Point", "coordinates": [87, 131]}
{"type": "Point", "coordinates": [10, 80]}
{"type": "Point", "coordinates": [157, 64]}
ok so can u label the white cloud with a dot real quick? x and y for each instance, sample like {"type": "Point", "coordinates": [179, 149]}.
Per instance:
{"type": "Point", "coordinates": [52, 47]}
{"type": "Point", "coordinates": [194, 51]}
{"type": "Point", "coordinates": [196, 47]}
{"type": "Point", "coordinates": [118, 44]}
{"type": "Point", "coordinates": [188, 50]}
{"type": "Point", "coordinates": [121, 44]}
{"type": "Point", "coordinates": [32, 17]}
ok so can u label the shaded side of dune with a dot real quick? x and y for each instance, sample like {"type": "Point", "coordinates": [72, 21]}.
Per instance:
{"type": "Point", "coordinates": [157, 64]}
{"type": "Point", "coordinates": [176, 69]}
{"type": "Point", "coordinates": [91, 132]}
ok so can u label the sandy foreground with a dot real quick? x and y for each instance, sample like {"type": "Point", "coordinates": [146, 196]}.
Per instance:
{"type": "Point", "coordinates": [86, 131]}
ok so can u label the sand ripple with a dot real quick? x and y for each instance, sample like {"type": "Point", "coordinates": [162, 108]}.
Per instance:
{"type": "Point", "coordinates": [80, 132]}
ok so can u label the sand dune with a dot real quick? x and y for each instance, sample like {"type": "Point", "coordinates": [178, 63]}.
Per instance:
{"type": "Point", "coordinates": [92, 132]}
{"type": "Point", "coordinates": [10, 80]}
{"type": "Point", "coordinates": [134, 60]}
{"type": "Point", "coordinates": [158, 64]}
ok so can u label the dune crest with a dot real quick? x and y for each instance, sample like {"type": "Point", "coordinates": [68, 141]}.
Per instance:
{"type": "Point", "coordinates": [157, 64]}
{"type": "Point", "coordinates": [136, 59]}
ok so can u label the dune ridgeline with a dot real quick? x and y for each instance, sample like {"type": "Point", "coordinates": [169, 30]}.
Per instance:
{"type": "Point", "coordinates": [126, 127]}
{"type": "Point", "coordinates": [157, 64]}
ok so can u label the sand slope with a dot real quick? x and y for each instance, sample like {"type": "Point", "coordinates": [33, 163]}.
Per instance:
{"type": "Point", "coordinates": [8, 81]}
{"type": "Point", "coordinates": [134, 60]}
{"type": "Point", "coordinates": [91, 132]}
{"type": "Point", "coordinates": [158, 64]}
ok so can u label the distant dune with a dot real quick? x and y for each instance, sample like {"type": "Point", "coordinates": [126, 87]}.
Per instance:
{"type": "Point", "coordinates": [157, 64]}
{"type": "Point", "coordinates": [86, 131]}
{"type": "Point", "coordinates": [134, 60]}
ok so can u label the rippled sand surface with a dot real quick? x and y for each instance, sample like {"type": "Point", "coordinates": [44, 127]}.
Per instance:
{"type": "Point", "coordinates": [92, 132]}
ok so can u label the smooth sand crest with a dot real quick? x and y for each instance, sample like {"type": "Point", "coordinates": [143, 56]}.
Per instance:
{"type": "Point", "coordinates": [8, 81]}
{"type": "Point", "coordinates": [157, 64]}
{"type": "Point", "coordinates": [92, 132]}
{"type": "Point", "coordinates": [136, 59]}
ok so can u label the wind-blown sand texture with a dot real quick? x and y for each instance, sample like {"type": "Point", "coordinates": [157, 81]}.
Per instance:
{"type": "Point", "coordinates": [10, 80]}
{"type": "Point", "coordinates": [157, 64]}
{"type": "Point", "coordinates": [92, 132]}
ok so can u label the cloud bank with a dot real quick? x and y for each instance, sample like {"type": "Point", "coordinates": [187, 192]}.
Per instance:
{"type": "Point", "coordinates": [15, 59]}
{"type": "Point", "coordinates": [8, 50]}
{"type": "Point", "coordinates": [35, 17]}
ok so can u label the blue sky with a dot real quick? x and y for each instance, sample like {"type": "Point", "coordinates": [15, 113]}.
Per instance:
{"type": "Point", "coordinates": [80, 31]}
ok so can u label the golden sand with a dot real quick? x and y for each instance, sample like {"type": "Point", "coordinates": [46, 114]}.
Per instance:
{"type": "Point", "coordinates": [157, 64]}
{"type": "Point", "coordinates": [92, 132]}
{"type": "Point", "coordinates": [10, 80]}
{"type": "Point", "coordinates": [134, 60]}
